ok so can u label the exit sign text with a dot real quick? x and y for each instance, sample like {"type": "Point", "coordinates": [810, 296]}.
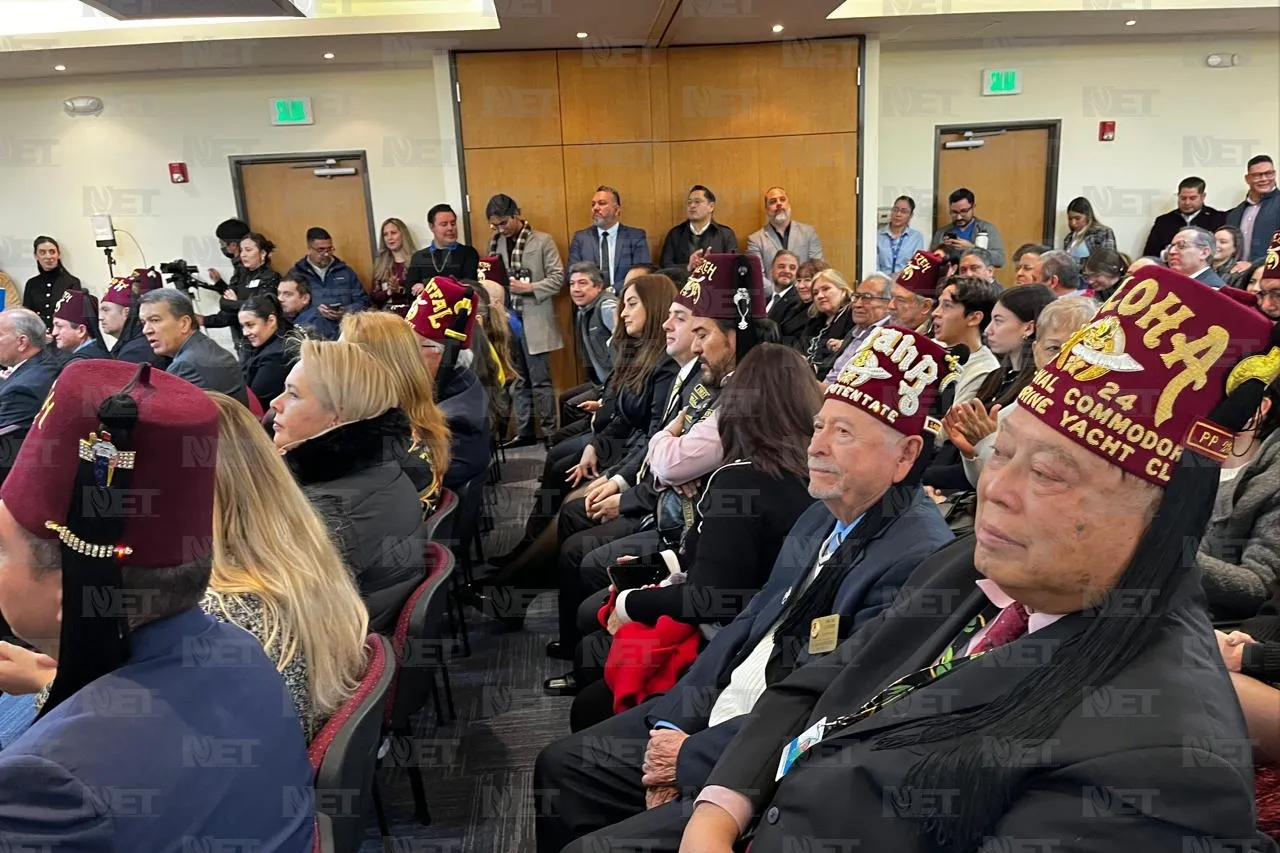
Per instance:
{"type": "Point", "coordinates": [1001, 81]}
{"type": "Point", "coordinates": [291, 111]}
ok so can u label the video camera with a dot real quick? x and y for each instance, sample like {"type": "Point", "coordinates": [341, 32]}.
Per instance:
{"type": "Point", "coordinates": [182, 275]}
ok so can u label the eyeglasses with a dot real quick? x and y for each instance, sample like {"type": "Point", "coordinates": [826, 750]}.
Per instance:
{"type": "Point", "coordinates": [1263, 175]}
{"type": "Point", "coordinates": [1181, 245]}
{"type": "Point", "coordinates": [1272, 295]}
{"type": "Point", "coordinates": [322, 251]}
{"type": "Point", "coordinates": [501, 226]}
{"type": "Point", "coordinates": [869, 297]}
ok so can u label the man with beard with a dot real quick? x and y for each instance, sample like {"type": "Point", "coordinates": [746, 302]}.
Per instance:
{"type": "Point", "coordinates": [842, 564]}
{"type": "Point", "coordinates": [780, 232]}
{"type": "Point", "coordinates": [785, 307]}
{"type": "Point", "coordinates": [1056, 676]}
{"type": "Point", "coordinates": [725, 303]}
{"type": "Point", "coordinates": [610, 245]}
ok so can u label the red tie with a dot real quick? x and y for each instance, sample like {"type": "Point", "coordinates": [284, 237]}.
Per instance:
{"type": "Point", "coordinates": [1007, 627]}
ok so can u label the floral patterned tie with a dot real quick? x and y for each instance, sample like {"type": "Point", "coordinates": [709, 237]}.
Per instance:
{"type": "Point", "coordinates": [1005, 628]}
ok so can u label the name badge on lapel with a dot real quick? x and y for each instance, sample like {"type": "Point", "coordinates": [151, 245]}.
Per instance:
{"type": "Point", "coordinates": [824, 634]}
{"type": "Point", "coordinates": [798, 747]}
{"type": "Point", "coordinates": [253, 283]}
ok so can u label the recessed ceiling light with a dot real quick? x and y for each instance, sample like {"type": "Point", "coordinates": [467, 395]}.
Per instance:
{"type": "Point", "coordinates": [328, 56]}
{"type": "Point", "coordinates": [59, 68]}
{"type": "Point", "coordinates": [582, 35]}
{"type": "Point", "coordinates": [777, 28]}
{"type": "Point", "coordinates": [1130, 23]}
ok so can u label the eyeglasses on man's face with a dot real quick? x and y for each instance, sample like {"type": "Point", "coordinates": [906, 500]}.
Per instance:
{"type": "Point", "coordinates": [869, 297]}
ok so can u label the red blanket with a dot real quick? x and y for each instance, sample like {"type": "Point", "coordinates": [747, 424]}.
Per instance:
{"type": "Point", "coordinates": [646, 660]}
{"type": "Point", "coordinates": [1266, 783]}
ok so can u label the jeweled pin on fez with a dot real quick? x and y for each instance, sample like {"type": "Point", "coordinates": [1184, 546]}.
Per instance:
{"type": "Point", "coordinates": [118, 468]}
{"type": "Point", "coordinates": [491, 268]}
{"type": "Point", "coordinates": [726, 287]}
{"type": "Point", "coordinates": [79, 308]}
{"type": "Point", "coordinates": [922, 272]}
{"type": "Point", "coordinates": [439, 310]}
{"type": "Point", "coordinates": [1271, 265]}
{"type": "Point", "coordinates": [894, 377]}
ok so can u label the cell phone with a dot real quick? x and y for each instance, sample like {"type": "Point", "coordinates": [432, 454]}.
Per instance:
{"type": "Point", "coordinates": [950, 235]}
{"type": "Point", "coordinates": [635, 574]}
{"type": "Point", "coordinates": [334, 306]}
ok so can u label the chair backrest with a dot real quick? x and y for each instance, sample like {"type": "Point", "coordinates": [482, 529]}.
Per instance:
{"type": "Point", "coordinates": [344, 753]}
{"type": "Point", "coordinates": [419, 638]}
{"type": "Point", "coordinates": [440, 521]}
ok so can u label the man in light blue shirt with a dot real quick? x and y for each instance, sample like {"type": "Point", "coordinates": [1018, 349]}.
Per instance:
{"type": "Point", "coordinates": [896, 242]}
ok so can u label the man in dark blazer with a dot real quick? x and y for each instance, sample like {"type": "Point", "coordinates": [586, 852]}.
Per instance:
{"type": "Point", "coordinates": [785, 306]}
{"type": "Point", "coordinates": [174, 728]}
{"type": "Point", "coordinates": [1191, 210]}
{"type": "Point", "coordinates": [1037, 687]}
{"type": "Point", "coordinates": [840, 566]}
{"type": "Point", "coordinates": [1191, 254]}
{"type": "Point", "coordinates": [31, 368]}
{"type": "Point", "coordinates": [1258, 216]}
{"type": "Point", "coordinates": [624, 246]}
{"type": "Point", "coordinates": [171, 326]}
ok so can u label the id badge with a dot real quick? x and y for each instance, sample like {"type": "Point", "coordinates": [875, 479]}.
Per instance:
{"type": "Point", "coordinates": [253, 283]}
{"type": "Point", "coordinates": [824, 634]}
{"type": "Point", "coordinates": [800, 746]}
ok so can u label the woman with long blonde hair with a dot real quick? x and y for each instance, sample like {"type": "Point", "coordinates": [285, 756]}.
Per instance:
{"type": "Point", "coordinates": [340, 431]}
{"type": "Point", "coordinates": [390, 266]}
{"type": "Point", "coordinates": [391, 341]}
{"type": "Point", "coordinates": [277, 574]}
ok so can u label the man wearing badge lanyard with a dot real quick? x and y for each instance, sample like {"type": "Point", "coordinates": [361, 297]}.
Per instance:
{"type": "Point", "coordinates": [1054, 676]}
{"type": "Point", "coordinates": [844, 560]}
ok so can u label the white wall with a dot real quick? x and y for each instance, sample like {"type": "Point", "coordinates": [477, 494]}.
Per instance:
{"type": "Point", "coordinates": [1175, 117]}
{"type": "Point", "coordinates": [55, 170]}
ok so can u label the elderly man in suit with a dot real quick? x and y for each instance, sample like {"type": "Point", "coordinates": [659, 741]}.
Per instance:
{"type": "Point", "coordinates": [172, 327]}
{"type": "Point", "coordinates": [164, 725]}
{"type": "Point", "coordinates": [1032, 686]}
{"type": "Point", "coordinates": [610, 245]}
{"type": "Point", "coordinates": [780, 231]}
{"type": "Point", "coordinates": [535, 276]}
{"type": "Point", "coordinates": [842, 564]}
{"type": "Point", "coordinates": [31, 369]}
{"type": "Point", "coordinates": [1191, 254]}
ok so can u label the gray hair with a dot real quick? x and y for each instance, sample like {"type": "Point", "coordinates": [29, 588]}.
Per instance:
{"type": "Point", "coordinates": [1061, 264]}
{"type": "Point", "coordinates": [179, 303]}
{"type": "Point", "coordinates": [1200, 238]}
{"type": "Point", "coordinates": [1066, 314]}
{"type": "Point", "coordinates": [886, 289]}
{"type": "Point", "coordinates": [26, 324]}
{"type": "Point", "coordinates": [981, 254]}
{"type": "Point", "coordinates": [590, 270]}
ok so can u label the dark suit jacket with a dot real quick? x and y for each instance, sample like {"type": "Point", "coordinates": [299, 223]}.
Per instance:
{"type": "Point", "coordinates": [632, 248]}
{"type": "Point", "coordinates": [1169, 224]}
{"type": "Point", "coordinates": [91, 349]}
{"type": "Point", "coordinates": [136, 350]}
{"type": "Point", "coordinates": [1266, 224]}
{"type": "Point", "coordinates": [1209, 277]}
{"type": "Point", "coordinates": [205, 364]}
{"type": "Point", "coordinates": [680, 243]}
{"type": "Point", "coordinates": [211, 749]}
{"type": "Point", "coordinates": [879, 570]}
{"type": "Point", "coordinates": [1155, 756]}
{"type": "Point", "coordinates": [22, 394]}
{"type": "Point", "coordinates": [791, 315]}
{"type": "Point", "coordinates": [622, 426]}
{"type": "Point", "coordinates": [462, 400]}
{"type": "Point", "coordinates": [639, 500]}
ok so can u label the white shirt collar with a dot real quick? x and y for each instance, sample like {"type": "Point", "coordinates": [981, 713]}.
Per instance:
{"type": "Point", "coordinates": [612, 232]}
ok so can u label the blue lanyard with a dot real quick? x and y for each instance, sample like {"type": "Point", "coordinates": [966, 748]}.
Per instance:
{"type": "Point", "coordinates": [894, 246]}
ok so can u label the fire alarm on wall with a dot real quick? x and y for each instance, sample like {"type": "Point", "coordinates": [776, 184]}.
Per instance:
{"type": "Point", "coordinates": [1106, 131]}
{"type": "Point", "coordinates": [178, 173]}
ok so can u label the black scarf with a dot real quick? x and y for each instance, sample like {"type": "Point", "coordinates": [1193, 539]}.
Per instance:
{"type": "Point", "coordinates": [349, 448]}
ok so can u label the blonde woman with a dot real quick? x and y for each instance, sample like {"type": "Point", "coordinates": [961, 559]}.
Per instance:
{"type": "Point", "coordinates": [276, 574]}
{"type": "Point", "coordinates": [833, 311]}
{"type": "Point", "coordinates": [392, 342]}
{"type": "Point", "coordinates": [395, 248]}
{"type": "Point", "coordinates": [342, 436]}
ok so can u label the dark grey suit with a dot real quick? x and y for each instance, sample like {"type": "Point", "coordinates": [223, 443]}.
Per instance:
{"type": "Point", "coordinates": [1209, 277]}
{"type": "Point", "coordinates": [21, 396]}
{"type": "Point", "coordinates": [205, 364]}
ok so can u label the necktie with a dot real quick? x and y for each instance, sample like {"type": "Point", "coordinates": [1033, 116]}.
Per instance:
{"type": "Point", "coordinates": [772, 300]}
{"type": "Point", "coordinates": [829, 547]}
{"type": "Point", "coordinates": [606, 267]}
{"type": "Point", "coordinates": [1007, 627]}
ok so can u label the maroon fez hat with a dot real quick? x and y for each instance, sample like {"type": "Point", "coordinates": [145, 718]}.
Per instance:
{"type": "Point", "coordinates": [726, 287]}
{"type": "Point", "coordinates": [77, 307]}
{"type": "Point", "coordinates": [491, 268]}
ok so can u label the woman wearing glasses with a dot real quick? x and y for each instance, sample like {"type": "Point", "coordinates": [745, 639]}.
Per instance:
{"type": "Point", "coordinates": [897, 241]}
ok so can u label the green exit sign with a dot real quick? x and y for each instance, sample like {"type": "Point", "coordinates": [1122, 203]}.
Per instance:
{"type": "Point", "coordinates": [1001, 81]}
{"type": "Point", "coordinates": [285, 111]}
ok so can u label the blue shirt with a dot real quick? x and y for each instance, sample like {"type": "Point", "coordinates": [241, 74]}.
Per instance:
{"type": "Point", "coordinates": [894, 253]}
{"type": "Point", "coordinates": [965, 233]}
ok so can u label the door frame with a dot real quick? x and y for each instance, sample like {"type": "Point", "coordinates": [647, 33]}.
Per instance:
{"type": "Point", "coordinates": [1054, 126]}
{"type": "Point", "coordinates": [237, 161]}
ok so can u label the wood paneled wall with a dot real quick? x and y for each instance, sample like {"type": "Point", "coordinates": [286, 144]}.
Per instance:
{"type": "Point", "coordinates": [548, 127]}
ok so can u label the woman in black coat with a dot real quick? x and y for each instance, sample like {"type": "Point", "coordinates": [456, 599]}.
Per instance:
{"type": "Point", "coordinates": [44, 290]}
{"type": "Point", "coordinates": [743, 516]}
{"type": "Point", "coordinates": [254, 277]}
{"type": "Point", "coordinates": [833, 308]}
{"type": "Point", "coordinates": [634, 397]}
{"type": "Point", "coordinates": [265, 365]}
{"type": "Point", "coordinates": [342, 438]}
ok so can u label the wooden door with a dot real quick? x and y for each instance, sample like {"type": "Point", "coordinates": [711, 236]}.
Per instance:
{"type": "Point", "coordinates": [1010, 176]}
{"type": "Point", "coordinates": [282, 198]}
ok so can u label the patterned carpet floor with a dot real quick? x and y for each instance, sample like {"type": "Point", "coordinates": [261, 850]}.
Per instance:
{"type": "Point", "coordinates": [480, 776]}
